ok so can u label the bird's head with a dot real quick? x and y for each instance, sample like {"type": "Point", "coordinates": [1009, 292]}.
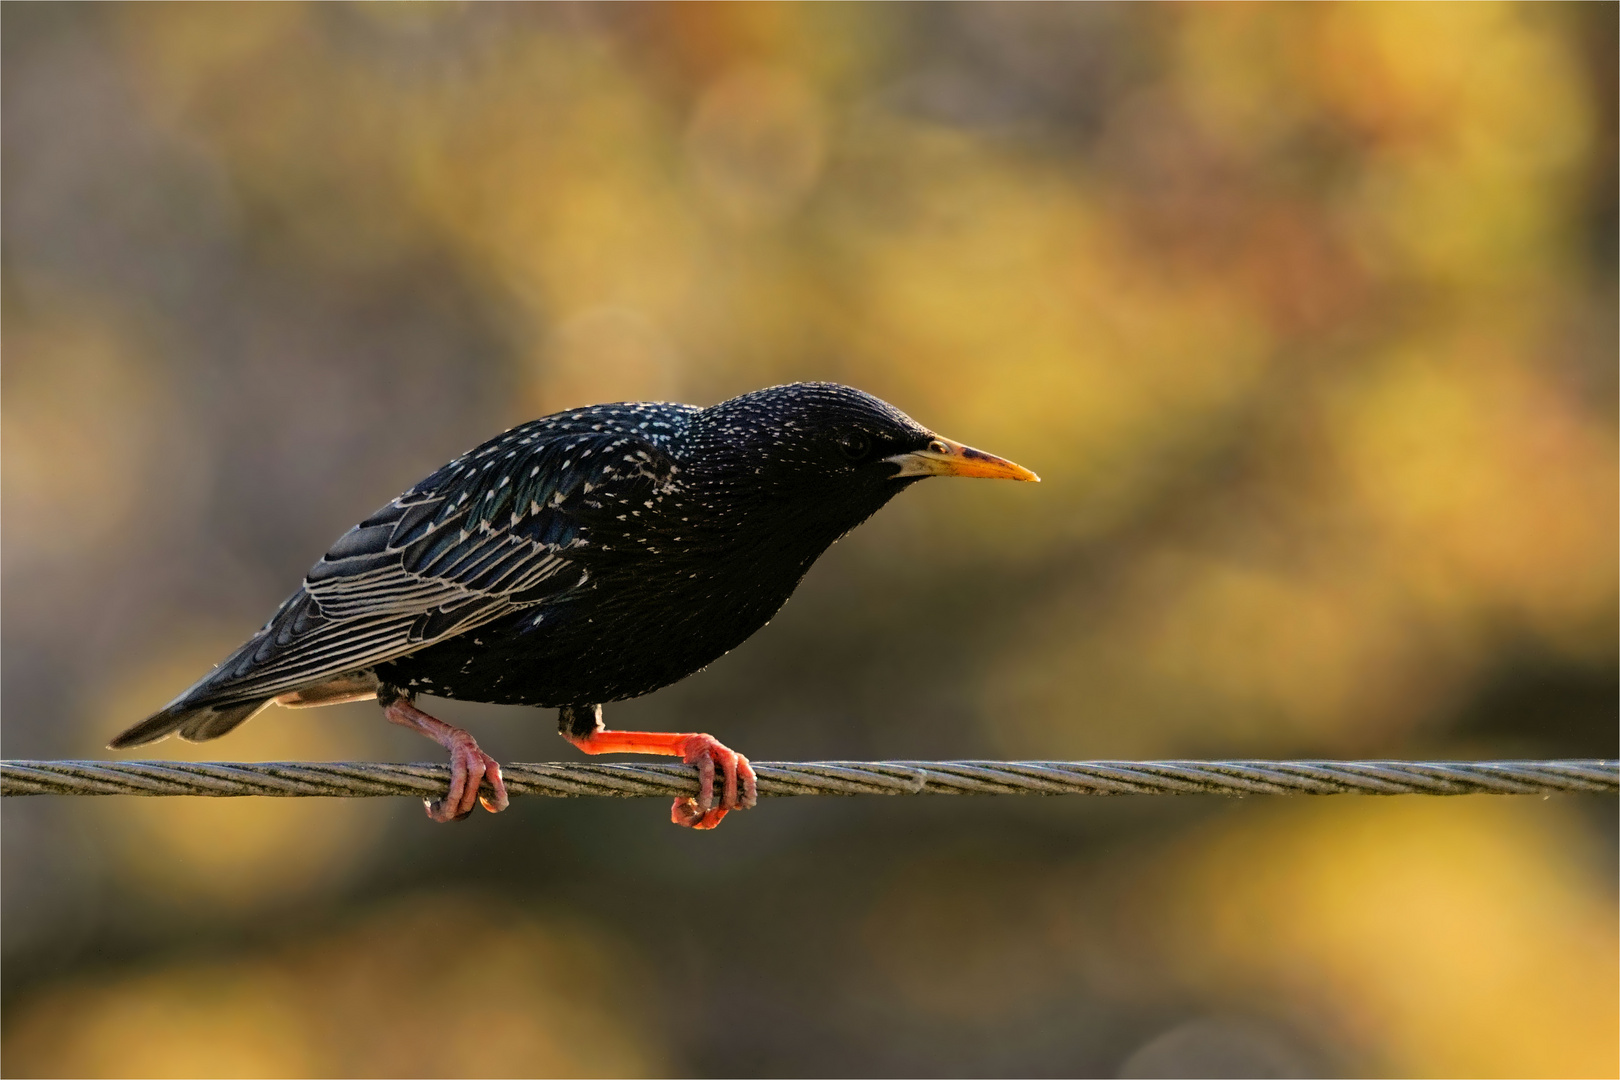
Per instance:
{"type": "Point", "coordinates": [829, 451]}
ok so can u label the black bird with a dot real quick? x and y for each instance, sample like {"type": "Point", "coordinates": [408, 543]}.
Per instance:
{"type": "Point", "coordinates": [585, 557]}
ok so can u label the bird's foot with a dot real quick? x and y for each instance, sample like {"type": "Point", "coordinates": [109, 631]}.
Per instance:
{"type": "Point", "coordinates": [739, 789]}
{"type": "Point", "coordinates": [469, 766]}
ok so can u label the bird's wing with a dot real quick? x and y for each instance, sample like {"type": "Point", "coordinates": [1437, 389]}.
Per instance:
{"type": "Point", "coordinates": [494, 531]}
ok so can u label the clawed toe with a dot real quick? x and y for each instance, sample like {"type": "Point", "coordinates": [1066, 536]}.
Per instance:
{"type": "Point", "coordinates": [687, 814]}
{"type": "Point", "coordinates": [470, 767]}
{"type": "Point", "coordinates": [439, 810]}
{"type": "Point", "coordinates": [492, 775]}
{"type": "Point", "coordinates": [739, 789]}
{"type": "Point", "coordinates": [750, 783]}
{"type": "Point", "coordinates": [464, 794]}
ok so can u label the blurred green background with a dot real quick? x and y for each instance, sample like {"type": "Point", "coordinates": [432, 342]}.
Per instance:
{"type": "Point", "coordinates": [1305, 314]}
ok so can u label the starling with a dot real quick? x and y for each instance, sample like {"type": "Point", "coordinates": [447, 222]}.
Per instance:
{"type": "Point", "coordinates": [586, 557]}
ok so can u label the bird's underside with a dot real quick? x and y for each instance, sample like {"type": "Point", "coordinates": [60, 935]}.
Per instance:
{"type": "Point", "coordinates": [581, 558]}
{"type": "Point", "coordinates": [468, 586]}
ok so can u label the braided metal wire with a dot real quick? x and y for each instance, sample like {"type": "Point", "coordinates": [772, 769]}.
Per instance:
{"type": "Point", "coordinates": [347, 779]}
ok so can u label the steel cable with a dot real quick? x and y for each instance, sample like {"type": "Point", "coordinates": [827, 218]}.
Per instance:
{"type": "Point", "coordinates": [348, 779]}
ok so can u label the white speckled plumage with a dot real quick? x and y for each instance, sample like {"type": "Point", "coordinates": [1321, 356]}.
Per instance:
{"type": "Point", "coordinates": [600, 554]}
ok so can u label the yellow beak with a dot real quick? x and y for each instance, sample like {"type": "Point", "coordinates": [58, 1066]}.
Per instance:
{"type": "Point", "coordinates": [942, 457]}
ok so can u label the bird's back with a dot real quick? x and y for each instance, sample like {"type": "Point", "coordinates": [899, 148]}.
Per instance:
{"type": "Point", "coordinates": [504, 530]}
{"type": "Point", "coordinates": [587, 556]}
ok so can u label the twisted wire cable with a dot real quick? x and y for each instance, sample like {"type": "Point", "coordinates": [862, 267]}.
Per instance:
{"type": "Point", "coordinates": [348, 779]}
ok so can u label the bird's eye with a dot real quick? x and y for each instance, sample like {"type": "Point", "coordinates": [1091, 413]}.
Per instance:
{"type": "Point", "coordinates": [939, 447]}
{"type": "Point", "coordinates": [854, 445]}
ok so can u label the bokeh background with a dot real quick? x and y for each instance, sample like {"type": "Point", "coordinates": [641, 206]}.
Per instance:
{"type": "Point", "coordinates": [1305, 314]}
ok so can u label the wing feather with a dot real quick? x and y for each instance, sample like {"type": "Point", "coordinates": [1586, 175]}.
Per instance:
{"type": "Point", "coordinates": [493, 532]}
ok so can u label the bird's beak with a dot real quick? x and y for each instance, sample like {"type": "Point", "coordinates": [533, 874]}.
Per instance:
{"type": "Point", "coordinates": [942, 457]}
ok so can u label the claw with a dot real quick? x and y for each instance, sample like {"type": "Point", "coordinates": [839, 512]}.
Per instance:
{"type": "Point", "coordinates": [685, 813]}
{"type": "Point", "coordinates": [470, 767]}
{"type": "Point", "coordinates": [705, 751]}
{"type": "Point", "coordinates": [739, 788]}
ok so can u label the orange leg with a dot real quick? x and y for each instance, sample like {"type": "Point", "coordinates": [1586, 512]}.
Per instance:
{"type": "Point", "coordinates": [469, 766]}
{"type": "Point", "coordinates": [694, 749]}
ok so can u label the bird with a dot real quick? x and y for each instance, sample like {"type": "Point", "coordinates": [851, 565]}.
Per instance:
{"type": "Point", "coordinates": [583, 558]}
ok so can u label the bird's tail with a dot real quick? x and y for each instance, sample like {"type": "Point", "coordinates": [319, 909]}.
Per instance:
{"type": "Point", "coordinates": [194, 722]}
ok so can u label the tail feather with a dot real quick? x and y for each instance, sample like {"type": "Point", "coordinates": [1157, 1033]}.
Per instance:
{"type": "Point", "coordinates": [195, 723]}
